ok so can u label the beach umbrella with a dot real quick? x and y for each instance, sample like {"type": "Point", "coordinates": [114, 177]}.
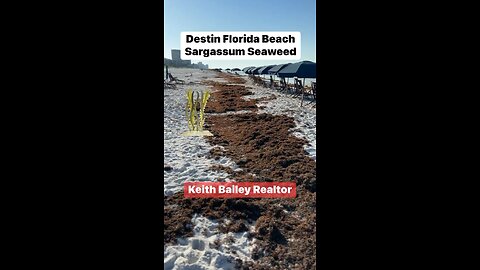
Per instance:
{"type": "Point", "coordinates": [235, 69]}
{"type": "Point", "coordinates": [249, 71]}
{"type": "Point", "coordinates": [246, 68]}
{"type": "Point", "coordinates": [255, 71]}
{"type": "Point", "coordinates": [304, 69]}
{"type": "Point", "coordinates": [277, 68]}
{"type": "Point", "coordinates": [227, 69]}
{"type": "Point", "coordinates": [265, 69]}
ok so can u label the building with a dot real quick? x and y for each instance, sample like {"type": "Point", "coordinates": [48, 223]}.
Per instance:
{"type": "Point", "coordinates": [176, 55]}
{"type": "Point", "coordinates": [176, 61]}
{"type": "Point", "coordinates": [200, 66]}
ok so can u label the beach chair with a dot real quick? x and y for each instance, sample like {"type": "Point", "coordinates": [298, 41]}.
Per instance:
{"type": "Point", "coordinates": [298, 89]}
{"type": "Point", "coordinates": [283, 85]}
{"type": "Point", "coordinates": [313, 92]}
{"type": "Point", "coordinates": [275, 85]}
{"type": "Point", "coordinates": [280, 85]}
{"type": "Point", "coordinates": [173, 79]}
{"type": "Point", "coordinates": [310, 92]}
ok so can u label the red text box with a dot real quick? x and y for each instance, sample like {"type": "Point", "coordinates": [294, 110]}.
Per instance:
{"type": "Point", "coordinates": [240, 189]}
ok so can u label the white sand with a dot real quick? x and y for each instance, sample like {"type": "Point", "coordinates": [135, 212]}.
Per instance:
{"type": "Point", "coordinates": [186, 155]}
{"type": "Point", "coordinates": [200, 251]}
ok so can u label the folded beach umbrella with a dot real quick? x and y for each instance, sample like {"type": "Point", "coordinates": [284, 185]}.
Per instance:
{"type": "Point", "coordinates": [304, 69]}
{"type": "Point", "coordinates": [277, 68]}
{"type": "Point", "coordinates": [265, 69]}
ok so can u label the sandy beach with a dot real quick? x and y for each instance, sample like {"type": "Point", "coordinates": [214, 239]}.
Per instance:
{"type": "Point", "coordinates": [259, 134]}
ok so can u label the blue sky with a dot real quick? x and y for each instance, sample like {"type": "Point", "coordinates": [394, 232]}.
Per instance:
{"type": "Point", "coordinates": [240, 15]}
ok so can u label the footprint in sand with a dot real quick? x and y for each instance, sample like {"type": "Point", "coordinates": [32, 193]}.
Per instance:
{"type": "Point", "coordinates": [198, 244]}
{"type": "Point", "coordinates": [193, 256]}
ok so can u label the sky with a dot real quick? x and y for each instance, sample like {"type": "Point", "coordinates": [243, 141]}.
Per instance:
{"type": "Point", "coordinates": [240, 15]}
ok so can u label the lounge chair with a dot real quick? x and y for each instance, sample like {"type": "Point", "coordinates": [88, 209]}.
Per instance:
{"type": "Point", "coordinates": [283, 85]}
{"type": "Point", "coordinates": [313, 92]}
{"type": "Point", "coordinates": [299, 89]}
{"type": "Point", "coordinates": [310, 92]}
{"type": "Point", "coordinates": [173, 79]}
{"type": "Point", "coordinates": [272, 83]}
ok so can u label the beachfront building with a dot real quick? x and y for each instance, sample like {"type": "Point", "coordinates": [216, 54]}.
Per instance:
{"type": "Point", "coordinates": [199, 65]}
{"type": "Point", "coordinates": [176, 61]}
{"type": "Point", "coordinates": [176, 55]}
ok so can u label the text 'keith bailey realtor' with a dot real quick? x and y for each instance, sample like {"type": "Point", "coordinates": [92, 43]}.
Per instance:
{"type": "Point", "coordinates": [240, 189]}
{"type": "Point", "coordinates": [240, 45]}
